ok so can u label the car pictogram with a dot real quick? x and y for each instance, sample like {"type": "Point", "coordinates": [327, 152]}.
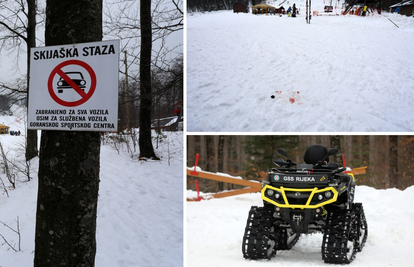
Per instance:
{"type": "Point", "coordinates": [76, 77]}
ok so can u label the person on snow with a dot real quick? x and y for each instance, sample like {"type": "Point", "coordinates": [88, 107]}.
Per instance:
{"type": "Point", "coordinates": [365, 11]}
{"type": "Point", "coordinates": [289, 10]}
{"type": "Point", "coordinates": [294, 11]}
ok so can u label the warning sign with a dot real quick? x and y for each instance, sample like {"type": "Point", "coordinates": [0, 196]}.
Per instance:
{"type": "Point", "coordinates": [74, 87]}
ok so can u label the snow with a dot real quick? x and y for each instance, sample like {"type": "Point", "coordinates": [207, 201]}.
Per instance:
{"type": "Point", "coordinates": [338, 73]}
{"type": "Point", "coordinates": [403, 3]}
{"type": "Point", "coordinates": [215, 231]}
{"type": "Point", "coordinates": [140, 206]}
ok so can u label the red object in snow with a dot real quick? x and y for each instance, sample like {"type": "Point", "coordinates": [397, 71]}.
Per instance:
{"type": "Point", "coordinates": [198, 192]}
{"type": "Point", "coordinates": [195, 166]}
{"type": "Point", "coordinates": [177, 111]}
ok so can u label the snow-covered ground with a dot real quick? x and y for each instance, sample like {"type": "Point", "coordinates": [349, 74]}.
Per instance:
{"type": "Point", "coordinates": [140, 206]}
{"type": "Point", "coordinates": [215, 231]}
{"type": "Point", "coordinates": [338, 73]}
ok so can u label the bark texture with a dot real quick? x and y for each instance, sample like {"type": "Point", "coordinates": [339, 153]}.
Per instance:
{"type": "Point", "coordinates": [69, 161]}
{"type": "Point", "coordinates": [146, 149]}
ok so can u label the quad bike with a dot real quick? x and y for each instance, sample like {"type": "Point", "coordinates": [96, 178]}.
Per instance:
{"type": "Point", "coordinates": [306, 198]}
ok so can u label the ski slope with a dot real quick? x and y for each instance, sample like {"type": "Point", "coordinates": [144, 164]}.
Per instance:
{"type": "Point", "coordinates": [338, 73]}
{"type": "Point", "coordinates": [215, 231]}
{"type": "Point", "coordinates": [140, 206]}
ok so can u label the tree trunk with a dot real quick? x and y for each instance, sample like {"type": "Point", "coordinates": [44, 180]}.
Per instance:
{"type": "Point", "coordinates": [31, 139]}
{"type": "Point", "coordinates": [68, 161]}
{"type": "Point", "coordinates": [393, 154]}
{"type": "Point", "coordinates": [379, 160]}
{"type": "Point", "coordinates": [210, 149]}
{"type": "Point", "coordinates": [202, 162]}
{"type": "Point", "coordinates": [348, 149]}
{"type": "Point", "coordinates": [336, 143]}
{"type": "Point", "coordinates": [405, 162]}
{"type": "Point", "coordinates": [191, 151]}
{"type": "Point", "coordinates": [220, 163]}
{"type": "Point", "coordinates": [146, 149]}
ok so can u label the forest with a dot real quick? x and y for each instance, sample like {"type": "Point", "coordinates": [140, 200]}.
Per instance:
{"type": "Point", "coordinates": [214, 5]}
{"type": "Point", "coordinates": [389, 158]}
{"type": "Point", "coordinates": [167, 90]}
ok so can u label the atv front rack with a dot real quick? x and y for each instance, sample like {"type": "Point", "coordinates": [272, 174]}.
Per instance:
{"type": "Point", "coordinates": [304, 191]}
{"type": "Point", "coordinates": [311, 197]}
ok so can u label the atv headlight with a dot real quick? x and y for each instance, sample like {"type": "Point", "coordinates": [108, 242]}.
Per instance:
{"type": "Point", "coordinates": [277, 196]}
{"type": "Point", "coordinates": [328, 194]}
{"type": "Point", "coordinates": [270, 192]}
{"type": "Point", "coordinates": [320, 197]}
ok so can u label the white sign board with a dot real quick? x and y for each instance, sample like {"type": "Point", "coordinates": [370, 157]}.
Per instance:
{"type": "Point", "coordinates": [74, 87]}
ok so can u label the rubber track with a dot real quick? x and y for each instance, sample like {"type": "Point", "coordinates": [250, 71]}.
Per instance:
{"type": "Point", "coordinates": [361, 224]}
{"type": "Point", "coordinates": [256, 235]}
{"type": "Point", "coordinates": [335, 239]}
{"type": "Point", "coordinates": [282, 238]}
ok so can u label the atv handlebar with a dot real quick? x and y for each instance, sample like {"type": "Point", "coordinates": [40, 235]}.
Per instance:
{"type": "Point", "coordinates": [341, 169]}
{"type": "Point", "coordinates": [330, 168]}
{"type": "Point", "coordinates": [320, 166]}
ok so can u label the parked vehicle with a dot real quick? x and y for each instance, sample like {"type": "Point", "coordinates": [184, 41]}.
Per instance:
{"type": "Point", "coordinates": [328, 9]}
{"type": "Point", "coordinates": [317, 196]}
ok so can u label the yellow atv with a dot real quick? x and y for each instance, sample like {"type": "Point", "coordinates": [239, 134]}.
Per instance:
{"type": "Point", "coordinates": [317, 196]}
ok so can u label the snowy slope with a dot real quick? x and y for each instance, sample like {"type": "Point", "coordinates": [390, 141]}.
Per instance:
{"type": "Point", "coordinates": [140, 208]}
{"type": "Point", "coordinates": [215, 230]}
{"type": "Point", "coordinates": [339, 73]}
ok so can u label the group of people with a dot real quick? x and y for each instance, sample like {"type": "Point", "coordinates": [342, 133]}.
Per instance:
{"type": "Point", "coordinates": [17, 133]}
{"type": "Point", "coordinates": [292, 11]}
{"type": "Point", "coordinates": [360, 11]}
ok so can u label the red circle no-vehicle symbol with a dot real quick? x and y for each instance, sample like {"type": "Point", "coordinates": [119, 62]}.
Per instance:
{"type": "Point", "coordinates": [70, 83]}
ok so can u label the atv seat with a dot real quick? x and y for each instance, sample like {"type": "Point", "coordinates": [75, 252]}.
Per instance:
{"type": "Point", "coordinates": [315, 153]}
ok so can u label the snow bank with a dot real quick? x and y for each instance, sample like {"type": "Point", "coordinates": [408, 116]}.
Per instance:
{"type": "Point", "coordinates": [215, 230]}
{"type": "Point", "coordinates": [140, 206]}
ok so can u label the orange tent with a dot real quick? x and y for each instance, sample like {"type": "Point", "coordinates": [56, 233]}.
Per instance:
{"type": "Point", "coordinates": [4, 129]}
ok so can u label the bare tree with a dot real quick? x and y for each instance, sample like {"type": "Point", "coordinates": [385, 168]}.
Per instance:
{"type": "Point", "coordinates": [17, 231]}
{"type": "Point", "coordinates": [145, 141]}
{"type": "Point", "coordinates": [4, 187]}
{"type": "Point", "coordinates": [18, 21]}
{"type": "Point", "coordinates": [7, 170]}
{"type": "Point", "coordinates": [15, 91]}
{"type": "Point", "coordinates": [149, 26]}
{"type": "Point", "coordinates": [168, 86]}
{"type": "Point", "coordinates": [166, 19]}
